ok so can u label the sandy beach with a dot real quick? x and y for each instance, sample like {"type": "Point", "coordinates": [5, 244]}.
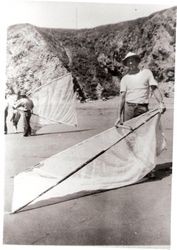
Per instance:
{"type": "Point", "coordinates": [135, 215]}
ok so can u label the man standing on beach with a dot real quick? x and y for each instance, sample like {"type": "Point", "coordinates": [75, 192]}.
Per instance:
{"type": "Point", "coordinates": [25, 104]}
{"type": "Point", "coordinates": [135, 88]}
{"type": "Point", "coordinates": [6, 114]}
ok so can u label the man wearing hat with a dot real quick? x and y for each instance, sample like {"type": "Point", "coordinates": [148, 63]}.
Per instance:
{"type": "Point", "coordinates": [135, 88]}
{"type": "Point", "coordinates": [25, 104]}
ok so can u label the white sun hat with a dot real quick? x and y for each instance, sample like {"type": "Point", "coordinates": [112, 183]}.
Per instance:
{"type": "Point", "coordinates": [130, 54]}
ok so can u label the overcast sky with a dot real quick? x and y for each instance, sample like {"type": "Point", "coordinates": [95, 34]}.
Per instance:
{"type": "Point", "coordinates": [74, 14]}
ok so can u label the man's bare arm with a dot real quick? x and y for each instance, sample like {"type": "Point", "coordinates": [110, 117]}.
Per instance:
{"type": "Point", "coordinates": [159, 98]}
{"type": "Point", "coordinates": [121, 108]}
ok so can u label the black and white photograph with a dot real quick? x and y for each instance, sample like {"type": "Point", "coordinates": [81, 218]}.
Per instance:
{"type": "Point", "coordinates": [88, 97]}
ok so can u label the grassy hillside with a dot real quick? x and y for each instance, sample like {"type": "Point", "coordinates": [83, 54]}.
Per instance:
{"type": "Point", "coordinates": [38, 55]}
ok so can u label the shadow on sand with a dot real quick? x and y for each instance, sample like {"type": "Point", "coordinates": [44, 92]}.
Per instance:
{"type": "Point", "coordinates": [54, 133]}
{"type": "Point", "coordinates": [163, 170]}
{"type": "Point", "coordinates": [63, 132]}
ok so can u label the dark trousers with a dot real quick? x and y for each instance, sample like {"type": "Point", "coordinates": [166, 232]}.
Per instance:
{"type": "Point", "coordinates": [15, 118]}
{"type": "Point", "coordinates": [5, 120]}
{"type": "Point", "coordinates": [26, 123]}
{"type": "Point", "coordinates": [132, 110]}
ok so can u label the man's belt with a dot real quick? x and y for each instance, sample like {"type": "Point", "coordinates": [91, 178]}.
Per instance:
{"type": "Point", "coordinates": [137, 104]}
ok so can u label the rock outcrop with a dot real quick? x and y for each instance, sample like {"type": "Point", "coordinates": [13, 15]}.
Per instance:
{"type": "Point", "coordinates": [36, 55]}
{"type": "Point", "coordinates": [31, 62]}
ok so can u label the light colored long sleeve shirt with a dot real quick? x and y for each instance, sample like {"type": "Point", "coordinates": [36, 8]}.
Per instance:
{"type": "Point", "coordinates": [25, 104]}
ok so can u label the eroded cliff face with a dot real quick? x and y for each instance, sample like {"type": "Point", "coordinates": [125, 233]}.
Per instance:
{"type": "Point", "coordinates": [30, 60]}
{"type": "Point", "coordinates": [38, 55]}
